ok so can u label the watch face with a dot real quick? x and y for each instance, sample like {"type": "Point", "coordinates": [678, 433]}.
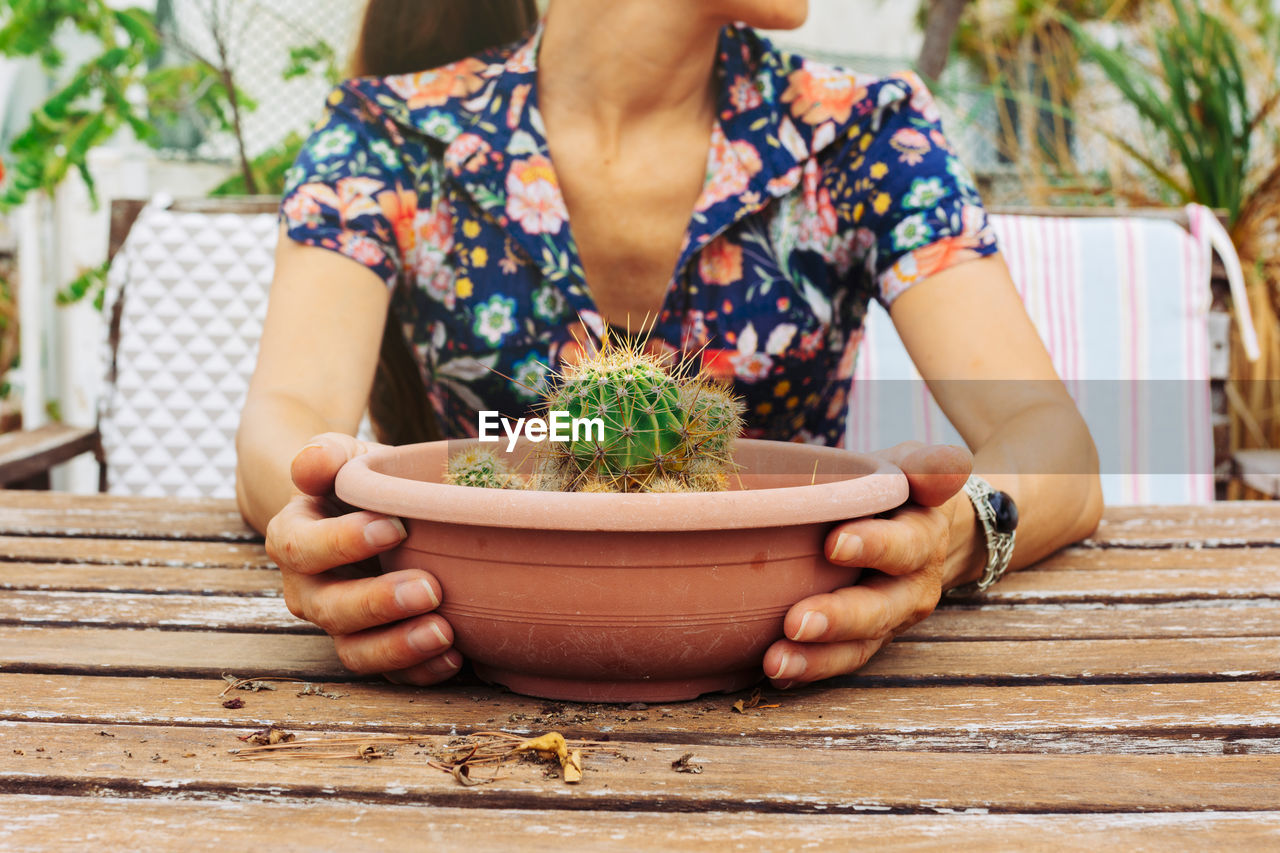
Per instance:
{"type": "Point", "coordinates": [1006, 512]}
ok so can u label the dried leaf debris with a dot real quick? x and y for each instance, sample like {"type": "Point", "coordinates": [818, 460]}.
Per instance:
{"type": "Point", "coordinates": [310, 689]}
{"type": "Point", "coordinates": [276, 744]}
{"type": "Point", "coordinates": [495, 749]}
{"type": "Point", "coordinates": [487, 752]}
{"type": "Point", "coordinates": [743, 705]}
{"type": "Point", "coordinates": [255, 684]}
{"type": "Point", "coordinates": [269, 736]}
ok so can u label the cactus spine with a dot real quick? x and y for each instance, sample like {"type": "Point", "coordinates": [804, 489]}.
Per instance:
{"type": "Point", "coordinates": [664, 431]}
{"type": "Point", "coordinates": [480, 467]}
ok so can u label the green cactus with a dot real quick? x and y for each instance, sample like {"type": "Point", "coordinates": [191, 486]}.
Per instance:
{"type": "Point", "coordinates": [664, 431]}
{"type": "Point", "coordinates": [644, 426]}
{"type": "Point", "coordinates": [481, 467]}
{"type": "Point", "coordinates": [716, 416]}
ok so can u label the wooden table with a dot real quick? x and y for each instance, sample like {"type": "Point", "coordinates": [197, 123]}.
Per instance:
{"type": "Point", "coordinates": [1122, 694]}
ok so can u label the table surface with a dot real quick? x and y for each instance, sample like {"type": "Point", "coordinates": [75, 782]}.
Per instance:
{"type": "Point", "coordinates": [1123, 693]}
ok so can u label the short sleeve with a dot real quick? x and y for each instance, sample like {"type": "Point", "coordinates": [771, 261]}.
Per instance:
{"type": "Point", "coordinates": [349, 190]}
{"type": "Point", "coordinates": [915, 208]}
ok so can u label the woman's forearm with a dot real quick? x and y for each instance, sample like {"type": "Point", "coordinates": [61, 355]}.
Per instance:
{"type": "Point", "coordinates": [1045, 459]}
{"type": "Point", "coordinates": [273, 428]}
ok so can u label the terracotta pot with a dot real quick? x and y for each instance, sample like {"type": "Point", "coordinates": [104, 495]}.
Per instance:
{"type": "Point", "coordinates": [623, 597]}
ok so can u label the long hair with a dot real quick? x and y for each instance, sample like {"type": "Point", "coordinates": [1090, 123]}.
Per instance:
{"type": "Point", "coordinates": [398, 37]}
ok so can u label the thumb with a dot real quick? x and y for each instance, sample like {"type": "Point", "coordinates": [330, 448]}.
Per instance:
{"type": "Point", "coordinates": [315, 465]}
{"type": "Point", "coordinates": [934, 472]}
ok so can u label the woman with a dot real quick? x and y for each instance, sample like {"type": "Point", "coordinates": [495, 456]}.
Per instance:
{"type": "Point", "coordinates": [784, 194]}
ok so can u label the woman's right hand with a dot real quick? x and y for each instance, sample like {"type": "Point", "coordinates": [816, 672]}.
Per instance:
{"type": "Point", "coordinates": [380, 623]}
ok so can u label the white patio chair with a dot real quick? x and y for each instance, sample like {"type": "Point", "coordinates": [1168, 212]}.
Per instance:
{"type": "Point", "coordinates": [186, 298]}
{"type": "Point", "coordinates": [1122, 304]}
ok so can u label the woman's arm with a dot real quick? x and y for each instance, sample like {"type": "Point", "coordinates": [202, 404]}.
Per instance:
{"type": "Point", "coordinates": [315, 368]}
{"type": "Point", "coordinates": [971, 339]}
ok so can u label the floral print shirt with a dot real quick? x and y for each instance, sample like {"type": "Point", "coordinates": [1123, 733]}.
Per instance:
{"type": "Point", "coordinates": [824, 189]}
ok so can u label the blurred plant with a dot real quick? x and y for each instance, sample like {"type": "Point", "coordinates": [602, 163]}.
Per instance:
{"type": "Point", "coordinates": [116, 87]}
{"type": "Point", "coordinates": [8, 336]}
{"type": "Point", "coordinates": [120, 85]}
{"type": "Point", "coordinates": [1200, 98]}
{"type": "Point", "coordinates": [268, 168]}
{"type": "Point", "coordinates": [1028, 67]}
{"type": "Point", "coordinates": [91, 281]}
{"type": "Point", "coordinates": [223, 21]}
{"type": "Point", "coordinates": [1202, 77]}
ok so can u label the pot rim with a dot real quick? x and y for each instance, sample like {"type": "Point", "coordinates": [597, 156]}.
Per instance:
{"type": "Point", "coordinates": [882, 488]}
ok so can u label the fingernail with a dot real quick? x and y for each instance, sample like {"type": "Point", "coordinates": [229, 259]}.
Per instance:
{"type": "Point", "coordinates": [447, 662]}
{"type": "Point", "coordinates": [416, 597]}
{"type": "Point", "coordinates": [790, 666]}
{"type": "Point", "coordinates": [848, 548]}
{"type": "Point", "coordinates": [427, 638]}
{"type": "Point", "coordinates": [315, 445]}
{"type": "Point", "coordinates": [812, 626]}
{"type": "Point", "coordinates": [384, 532]}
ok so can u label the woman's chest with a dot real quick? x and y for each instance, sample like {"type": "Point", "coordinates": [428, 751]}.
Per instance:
{"type": "Point", "coordinates": [759, 301]}
{"type": "Point", "coordinates": [627, 220]}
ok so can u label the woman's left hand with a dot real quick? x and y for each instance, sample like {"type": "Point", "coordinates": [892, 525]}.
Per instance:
{"type": "Point", "coordinates": [904, 554]}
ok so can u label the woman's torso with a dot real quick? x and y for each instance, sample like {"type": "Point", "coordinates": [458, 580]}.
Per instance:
{"type": "Point", "coordinates": [822, 190]}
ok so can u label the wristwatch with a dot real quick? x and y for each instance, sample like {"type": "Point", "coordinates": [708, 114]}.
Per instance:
{"type": "Point", "coordinates": [999, 518]}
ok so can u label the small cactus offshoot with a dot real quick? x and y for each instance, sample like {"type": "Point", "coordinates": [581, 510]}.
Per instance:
{"type": "Point", "coordinates": [478, 466]}
{"type": "Point", "coordinates": [664, 431]}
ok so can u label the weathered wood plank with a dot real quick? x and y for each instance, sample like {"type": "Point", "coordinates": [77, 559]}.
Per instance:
{"type": "Point", "coordinates": [58, 514]}
{"type": "Point", "coordinates": [1127, 585]}
{"type": "Point", "coordinates": [198, 653]}
{"type": "Point", "coordinates": [1218, 525]}
{"type": "Point", "coordinates": [121, 517]}
{"type": "Point", "coordinates": [1051, 660]}
{"type": "Point", "coordinates": [1157, 559]}
{"type": "Point", "coordinates": [203, 612]}
{"type": "Point", "coordinates": [59, 823]}
{"type": "Point", "coordinates": [1047, 622]}
{"type": "Point", "coordinates": [264, 611]}
{"type": "Point", "coordinates": [1029, 586]}
{"type": "Point", "coordinates": [135, 579]}
{"type": "Point", "coordinates": [133, 552]}
{"type": "Point", "coordinates": [42, 758]}
{"type": "Point", "coordinates": [964, 718]}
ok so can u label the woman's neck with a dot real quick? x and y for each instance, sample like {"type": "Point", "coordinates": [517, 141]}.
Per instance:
{"type": "Point", "coordinates": [609, 65]}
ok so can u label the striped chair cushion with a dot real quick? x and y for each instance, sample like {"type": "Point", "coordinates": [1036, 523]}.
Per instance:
{"type": "Point", "coordinates": [1122, 305]}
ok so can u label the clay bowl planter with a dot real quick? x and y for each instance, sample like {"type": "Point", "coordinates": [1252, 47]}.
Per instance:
{"type": "Point", "coordinates": [623, 597]}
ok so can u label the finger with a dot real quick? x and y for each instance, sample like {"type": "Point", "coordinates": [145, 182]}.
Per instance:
{"type": "Point", "coordinates": [348, 606]}
{"type": "Point", "coordinates": [881, 605]}
{"type": "Point", "coordinates": [899, 544]}
{"type": "Point", "coordinates": [431, 671]}
{"type": "Point", "coordinates": [303, 538]}
{"type": "Point", "coordinates": [899, 451]}
{"type": "Point", "coordinates": [315, 466]}
{"type": "Point", "coordinates": [787, 663]}
{"type": "Point", "coordinates": [395, 647]}
{"type": "Point", "coordinates": [934, 472]}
